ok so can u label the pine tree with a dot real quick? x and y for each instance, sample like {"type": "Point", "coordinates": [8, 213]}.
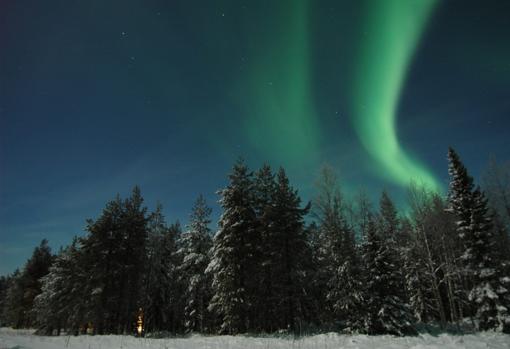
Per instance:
{"type": "Point", "coordinates": [395, 236]}
{"type": "Point", "coordinates": [387, 312]}
{"type": "Point", "coordinates": [348, 292]}
{"type": "Point", "coordinates": [487, 292]}
{"type": "Point", "coordinates": [291, 256]}
{"type": "Point", "coordinates": [389, 222]}
{"type": "Point", "coordinates": [76, 301]}
{"type": "Point", "coordinates": [317, 289]}
{"type": "Point", "coordinates": [264, 298]}
{"type": "Point", "coordinates": [132, 255]}
{"type": "Point", "coordinates": [231, 253]}
{"type": "Point", "coordinates": [159, 280]}
{"type": "Point", "coordinates": [26, 286]}
{"type": "Point", "coordinates": [459, 206]}
{"type": "Point", "coordinates": [173, 311]}
{"type": "Point", "coordinates": [195, 248]}
{"type": "Point", "coordinates": [114, 251]}
{"type": "Point", "coordinates": [4, 286]}
{"type": "Point", "coordinates": [100, 254]}
{"type": "Point", "coordinates": [460, 198]}
{"type": "Point", "coordinates": [56, 306]}
{"type": "Point", "coordinates": [328, 209]}
{"type": "Point", "coordinates": [501, 235]}
{"type": "Point", "coordinates": [12, 311]}
{"type": "Point", "coordinates": [489, 295]}
{"type": "Point", "coordinates": [496, 186]}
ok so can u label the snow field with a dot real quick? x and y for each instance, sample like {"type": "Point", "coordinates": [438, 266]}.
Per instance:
{"type": "Point", "coordinates": [14, 339]}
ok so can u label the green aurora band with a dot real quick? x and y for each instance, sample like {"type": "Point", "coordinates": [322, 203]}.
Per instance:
{"type": "Point", "coordinates": [391, 35]}
{"type": "Point", "coordinates": [283, 123]}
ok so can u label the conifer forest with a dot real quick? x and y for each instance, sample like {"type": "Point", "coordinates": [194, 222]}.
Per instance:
{"type": "Point", "coordinates": [275, 264]}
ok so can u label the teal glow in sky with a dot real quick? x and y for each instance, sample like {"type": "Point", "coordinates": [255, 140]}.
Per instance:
{"type": "Point", "coordinates": [391, 34]}
{"type": "Point", "coordinates": [281, 119]}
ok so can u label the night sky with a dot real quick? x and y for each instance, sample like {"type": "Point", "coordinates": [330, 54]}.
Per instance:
{"type": "Point", "coordinates": [97, 96]}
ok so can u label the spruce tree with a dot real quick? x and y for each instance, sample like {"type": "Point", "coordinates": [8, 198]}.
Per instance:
{"type": "Point", "coordinates": [332, 246]}
{"type": "Point", "coordinates": [114, 251]}
{"type": "Point", "coordinates": [291, 256]}
{"type": "Point", "coordinates": [157, 298]}
{"type": "Point", "coordinates": [501, 235]}
{"type": "Point", "coordinates": [195, 248]}
{"type": "Point", "coordinates": [101, 255]}
{"type": "Point", "coordinates": [12, 311]}
{"type": "Point", "coordinates": [56, 306]}
{"type": "Point", "coordinates": [173, 310]}
{"type": "Point", "coordinates": [347, 291]}
{"type": "Point", "coordinates": [387, 312]}
{"type": "Point", "coordinates": [4, 286]}
{"type": "Point", "coordinates": [232, 250]}
{"type": "Point", "coordinates": [488, 295]}
{"type": "Point", "coordinates": [26, 286]}
{"type": "Point", "coordinates": [264, 299]}
{"type": "Point", "coordinates": [395, 235]}
{"type": "Point", "coordinates": [389, 221]}
{"type": "Point", "coordinates": [132, 254]}
{"type": "Point", "coordinates": [460, 197]}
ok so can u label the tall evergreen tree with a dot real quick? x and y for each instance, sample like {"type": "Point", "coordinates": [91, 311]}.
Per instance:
{"type": "Point", "coordinates": [460, 197]}
{"type": "Point", "coordinates": [328, 209]}
{"type": "Point", "coordinates": [389, 221]}
{"type": "Point", "coordinates": [387, 312]}
{"type": "Point", "coordinates": [12, 310]}
{"type": "Point", "coordinates": [232, 252]}
{"type": "Point", "coordinates": [175, 301]}
{"type": "Point", "coordinates": [264, 298]}
{"type": "Point", "coordinates": [496, 185]}
{"type": "Point", "coordinates": [338, 262]}
{"type": "Point", "coordinates": [487, 294]}
{"type": "Point", "coordinates": [100, 248]}
{"type": "Point", "coordinates": [4, 286]}
{"type": "Point", "coordinates": [395, 235]}
{"type": "Point", "coordinates": [195, 248]}
{"type": "Point", "coordinates": [132, 254]}
{"type": "Point", "coordinates": [347, 291]}
{"type": "Point", "coordinates": [292, 255]}
{"type": "Point", "coordinates": [26, 286]}
{"type": "Point", "coordinates": [114, 250]}
{"type": "Point", "coordinates": [56, 307]}
{"type": "Point", "coordinates": [160, 279]}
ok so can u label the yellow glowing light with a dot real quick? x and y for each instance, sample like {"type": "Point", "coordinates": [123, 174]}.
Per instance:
{"type": "Point", "coordinates": [139, 322]}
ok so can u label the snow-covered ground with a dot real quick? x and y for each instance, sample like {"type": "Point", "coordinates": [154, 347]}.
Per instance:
{"type": "Point", "coordinates": [10, 339]}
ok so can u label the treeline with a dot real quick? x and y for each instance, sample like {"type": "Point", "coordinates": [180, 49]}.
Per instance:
{"type": "Point", "coordinates": [277, 265]}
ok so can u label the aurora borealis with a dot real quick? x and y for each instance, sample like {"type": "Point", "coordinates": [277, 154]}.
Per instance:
{"type": "Point", "coordinates": [281, 91]}
{"type": "Point", "coordinates": [393, 30]}
{"type": "Point", "coordinates": [97, 96]}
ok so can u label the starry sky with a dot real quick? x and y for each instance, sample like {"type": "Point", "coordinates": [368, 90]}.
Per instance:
{"type": "Point", "coordinates": [97, 96]}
